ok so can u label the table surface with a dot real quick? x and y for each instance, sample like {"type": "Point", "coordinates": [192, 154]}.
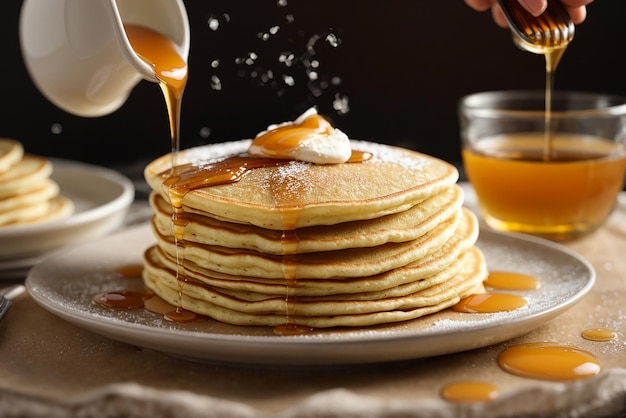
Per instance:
{"type": "Point", "coordinates": [49, 367]}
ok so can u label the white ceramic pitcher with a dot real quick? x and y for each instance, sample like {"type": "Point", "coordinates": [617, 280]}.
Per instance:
{"type": "Point", "coordinates": [78, 55]}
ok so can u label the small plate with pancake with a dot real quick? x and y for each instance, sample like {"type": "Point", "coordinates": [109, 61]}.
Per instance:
{"type": "Point", "coordinates": [100, 197]}
{"type": "Point", "coordinates": [65, 284]}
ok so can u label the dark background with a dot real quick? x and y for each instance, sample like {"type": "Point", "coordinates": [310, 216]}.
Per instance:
{"type": "Point", "coordinates": [403, 65]}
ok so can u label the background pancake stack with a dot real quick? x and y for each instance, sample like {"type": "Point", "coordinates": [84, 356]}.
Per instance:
{"type": "Point", "coordinates": [27, 194]}
{"type": "Point", "coordinates": [353, 244]}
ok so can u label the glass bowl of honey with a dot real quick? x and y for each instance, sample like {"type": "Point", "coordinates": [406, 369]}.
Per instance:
{"type": "Point", "coordinates": [553, 171]}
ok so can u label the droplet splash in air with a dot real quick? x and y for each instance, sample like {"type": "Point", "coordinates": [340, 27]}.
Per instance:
{"type": "Point", "coordinates": [287, 58]}
{"type": "Point", "coordinates": [289, 80]}
{"type": "Point", "coordinates": [56, 128]}
{"type": "Point", "coordinates": [297, 69]}
{"type": "Point", "coordinates": [215, 21]}
{"type": "Point", "coordinates": [341, 104]}
{"type": "Point", "coordinates": [216, 83]}
{"type": "Point", "coordinates": [332, 40]}
{"type": "Point", "coordinates": [270, 32]}
{"type": "Point", "coordinates": [205, 132]}
{"type": "Point", "coordinates": [213, 24]}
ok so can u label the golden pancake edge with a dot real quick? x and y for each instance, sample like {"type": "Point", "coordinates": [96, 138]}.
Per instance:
{"type": "Point", "coordinates": [394, 180]}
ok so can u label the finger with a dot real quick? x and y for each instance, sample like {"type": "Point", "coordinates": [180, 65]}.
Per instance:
{"type": "Point", "coordinates": [576, 3]}
{"type": "Point", "coordinates": [577, 9]}
{"type": "Point", "coordinates": [535, 7]}
{"type": "Point", "coordinates": [498, 16]}
{"type": "Point", "coordinates": [578, 14]}
{"type": "Point", "coordinates": [480, 5]}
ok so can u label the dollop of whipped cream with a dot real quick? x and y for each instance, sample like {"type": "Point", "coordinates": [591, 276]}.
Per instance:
{"type": "Point", "coordinates": [309, 138]}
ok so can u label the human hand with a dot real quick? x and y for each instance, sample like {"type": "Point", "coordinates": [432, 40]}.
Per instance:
{"type": "Point", "coordinates": [577, 8]}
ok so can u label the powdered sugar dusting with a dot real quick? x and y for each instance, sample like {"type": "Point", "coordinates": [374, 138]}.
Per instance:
{"type": "Point", "coordinates": [208, 154]}
{"type": "Point", "coordinates": [289, 181]}
{"type": "Point", "coordinates": [388, 154]}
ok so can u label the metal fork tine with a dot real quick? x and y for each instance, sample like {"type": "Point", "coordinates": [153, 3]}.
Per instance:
{"type": "Point", "coordinates": [4, 305]}
{"type": "Point", "coordinates": [6, 297]}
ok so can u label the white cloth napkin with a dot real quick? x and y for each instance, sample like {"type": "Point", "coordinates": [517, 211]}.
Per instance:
{"type": "Point", "coordinates": [602, 396]}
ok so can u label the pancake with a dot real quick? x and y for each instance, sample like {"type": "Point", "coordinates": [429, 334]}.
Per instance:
{"type": "Point", "coordinates": [157, 262]}
{"type": "Point", "coordinates": [352, 262]}
{"type": "Point", "coordinates": [56, 207]}
{"type": "Point", "coordinates": [246, 309]}
{"type": "Point", "coordinates": [60, 207]}
{"type": "Point", "coordinates": [27, 194]}
{"type": "Point", "coordinates": [43, 193]}
{"type": "Point", "coordinates": [399, 227]}
{"type": "Point", "coordinates": [25, 176]}
{"type": "Point", "coordinates": [362, 243]}
{"type": "Point", "coordinates": [24, 214]}
{"type": "Point", "coordinates": [300, 194]}
{"type": "Point", "coordinates": [11, 152]}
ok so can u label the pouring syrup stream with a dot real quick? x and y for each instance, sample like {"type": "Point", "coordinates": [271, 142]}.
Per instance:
{"type": "Point", "coordinates": [548, 34]}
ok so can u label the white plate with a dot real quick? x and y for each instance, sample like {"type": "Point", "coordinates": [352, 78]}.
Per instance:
{"type": "Point", "coordinates": [65, 284]}
{"type": "Point", "coordinates": [101, 198]}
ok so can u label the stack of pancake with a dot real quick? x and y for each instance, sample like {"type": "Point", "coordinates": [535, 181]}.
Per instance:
{"type": "Point", "coordinates": [27, 194]}
{"type": "Point", "coordinates": [354, 244]}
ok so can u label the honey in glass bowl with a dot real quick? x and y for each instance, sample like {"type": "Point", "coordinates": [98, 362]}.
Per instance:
{"type": "Point", "coordinates": [561, 194]}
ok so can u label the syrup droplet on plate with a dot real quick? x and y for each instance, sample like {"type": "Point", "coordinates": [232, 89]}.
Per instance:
{"type": "Point", "coordinates": [469, 391]}
{"type": "Point", "coordinates": [130, 271]}
{"type": "Point", "coordinates": [599, 334]}
{"type": "Point", "coordinates": [291, 328]}
{"type": "Point", "coordinates": [181, 315]}
{"type": "Point", "coordinates": [549, 361]}
{"type": "Point", "coordinates": [158, 305]}
{"type": "Point", "coordinates": [512, 281]}
{"type": "Point", "coordinates": [122, 299]}
{"type": "Point", "coordinates": [489, 303]}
